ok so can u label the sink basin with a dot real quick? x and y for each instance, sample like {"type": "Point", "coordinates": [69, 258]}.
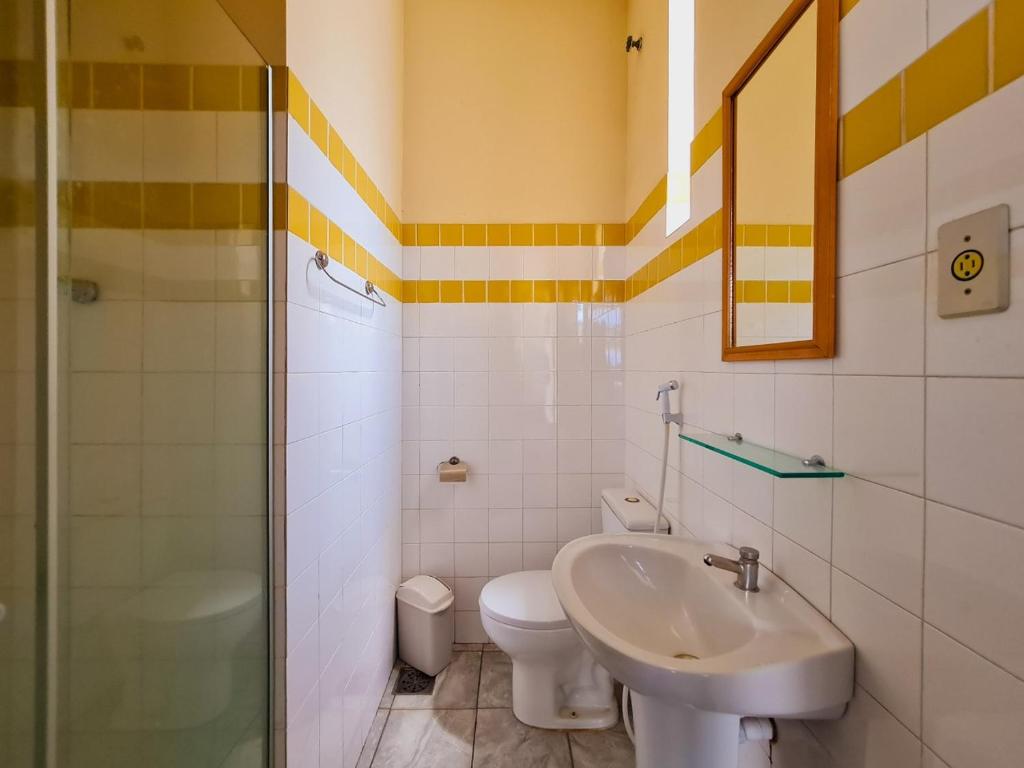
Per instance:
{"type": "Point", "coordinates": [697, 653]}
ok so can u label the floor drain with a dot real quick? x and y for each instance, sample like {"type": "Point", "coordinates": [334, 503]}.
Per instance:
{"type": "Point", "coordinates": [411, 681]}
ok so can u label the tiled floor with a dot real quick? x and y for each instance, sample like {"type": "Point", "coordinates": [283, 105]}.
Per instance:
{"type": "Point", "coordinates": [468, 723]}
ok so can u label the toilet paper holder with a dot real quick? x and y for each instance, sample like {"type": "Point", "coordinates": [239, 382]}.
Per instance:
{"type": "Point", "coordinates": [452, 470]}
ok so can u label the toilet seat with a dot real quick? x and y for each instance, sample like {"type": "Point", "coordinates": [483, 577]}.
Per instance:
{"type": "Point", "coordinates": [525, 599]}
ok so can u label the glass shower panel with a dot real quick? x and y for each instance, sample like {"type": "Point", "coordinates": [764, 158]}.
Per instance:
{"type": "Point", "coordinates": [162, 607]}
{"type": "Point", "coordinates": [21, 375]}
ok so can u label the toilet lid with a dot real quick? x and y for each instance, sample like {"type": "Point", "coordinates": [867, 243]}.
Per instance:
{"type": "Point", "coordinates": [195, 596]}
{"type": "Point", "coordinates": [525, 599]}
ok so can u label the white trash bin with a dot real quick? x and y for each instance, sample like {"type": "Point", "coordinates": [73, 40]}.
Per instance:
{"type": "Point", "coordinates": [426, 626]}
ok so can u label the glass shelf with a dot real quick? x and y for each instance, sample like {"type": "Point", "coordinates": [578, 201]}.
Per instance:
{"type": "Point", "coordinates": [774, 463]}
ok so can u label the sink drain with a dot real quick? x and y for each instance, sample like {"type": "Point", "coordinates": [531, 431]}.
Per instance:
{"type": "Point", "coordinates": [686, 657]}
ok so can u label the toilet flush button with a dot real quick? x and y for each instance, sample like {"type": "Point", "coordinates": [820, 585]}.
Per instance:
{"type": "Point", "coordinates": [974, 264]}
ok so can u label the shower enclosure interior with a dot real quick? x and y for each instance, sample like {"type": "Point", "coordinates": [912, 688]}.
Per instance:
{"type": "Point", "coordinates": [135, 468]}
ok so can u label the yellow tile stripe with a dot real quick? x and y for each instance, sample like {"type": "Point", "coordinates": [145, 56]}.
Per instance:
{"type": "Point", "coordinates": [307, 222]}
{"type": "Point", "coordinates": [166, 205]}
{"type": "Point", "coordinates": [705, 239]}
{"type": "Point", "coordinates": [513, 234]}
{"type": "Point", "coordinates": [774, 291]}
{"type": "Point", "coordinates": [312, 120]}
{"type": "Point", "coordinates": [949, 77]}
{"type": "Point", "coordinates": [873, 128]}
{"type": "Point", "coordinates": [17, 83]}
{"type": "Point", "coordinates": [127, 86]}
{"type": "Point", "coordinates": [17, 203]}
{"type": "Point", "coordinates": [648, 209]}
{"type": "Point", "coordinates": [701, 241]}
{"type": "Point", "coordinates": [1009, 53]}
{"type": "Point", "coordinates": [707, 141]}
{"type": "Point", "coordinates": [512, 291]}
{"type": "Point", "coordinates": [775, 235]}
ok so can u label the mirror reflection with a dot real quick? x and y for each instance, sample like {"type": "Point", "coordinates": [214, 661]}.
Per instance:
{"type": "Point", "coordinates": [775, 156]}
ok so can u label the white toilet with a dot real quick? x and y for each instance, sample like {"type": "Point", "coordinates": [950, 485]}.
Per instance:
{"type": "Point", "coordinates": [556, 683]}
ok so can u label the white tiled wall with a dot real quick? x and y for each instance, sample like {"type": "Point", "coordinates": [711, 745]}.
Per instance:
{"type": "Point", "coordinates": [342, 482]}
{"type": "Point", "coordinates": [913, 554]}
{"type": "Point", "coordinates": [530, 396]}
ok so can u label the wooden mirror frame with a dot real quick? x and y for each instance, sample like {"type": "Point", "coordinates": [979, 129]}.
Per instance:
{"type": "Point", "coordinates": [826, 149]}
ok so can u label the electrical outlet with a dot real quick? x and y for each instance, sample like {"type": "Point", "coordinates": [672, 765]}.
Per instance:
{"type": "Point", "coordinates": [974, 263]}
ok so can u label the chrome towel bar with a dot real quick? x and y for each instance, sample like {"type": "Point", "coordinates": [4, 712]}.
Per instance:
{"type": "Point", "coordinates": [370, 292]}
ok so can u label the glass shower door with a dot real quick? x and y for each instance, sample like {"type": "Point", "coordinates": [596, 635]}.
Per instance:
{"type": "Point", "coordinates": [162, 389]}
{"type": "Point", "coordinates": [22, 374]}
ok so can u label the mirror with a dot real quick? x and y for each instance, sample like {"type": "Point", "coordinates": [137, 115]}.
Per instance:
{"type": "Point", "coordinates": [779, 180]}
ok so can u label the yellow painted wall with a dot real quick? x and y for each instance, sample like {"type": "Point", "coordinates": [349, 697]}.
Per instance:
{"type": "Point", "coordinates": [775, 133]}
{"type": "Point", "coordinates": [647, 101]}
{"type": "Point", "coordinates": [263, 23]}
{"type": "Point", "coordinates": [348, 55]}
{"type": "Point", "coordinates": [197, 32]}
{"type": "Point", "coordinates": [514, 111]}
{"type": "Point", "coordinates": [727, 33]}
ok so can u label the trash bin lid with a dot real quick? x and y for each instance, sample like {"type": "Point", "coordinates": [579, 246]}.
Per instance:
{"type": "Point", "coordinates": [426, 593]}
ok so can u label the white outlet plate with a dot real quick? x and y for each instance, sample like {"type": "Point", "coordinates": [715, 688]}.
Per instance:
{"type": "Point", "coordinates": [974, 263]}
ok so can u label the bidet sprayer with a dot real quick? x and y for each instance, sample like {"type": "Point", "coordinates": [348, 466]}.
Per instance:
{"type": "Point", "coordinates": [666, 401]}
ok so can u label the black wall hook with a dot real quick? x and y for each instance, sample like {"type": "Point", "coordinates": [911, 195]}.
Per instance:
{"type": "Point", "coordinates": [634, 42]}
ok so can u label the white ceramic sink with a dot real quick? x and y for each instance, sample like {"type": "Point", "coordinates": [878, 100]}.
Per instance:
{"type": "Point", "coordinates": [644, 605]}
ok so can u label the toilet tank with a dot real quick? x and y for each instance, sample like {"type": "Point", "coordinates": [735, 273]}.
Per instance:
{"type": "Point", "coordinates": [626, 511]}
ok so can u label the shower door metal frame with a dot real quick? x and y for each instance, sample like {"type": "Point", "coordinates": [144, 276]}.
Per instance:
{"type": "Point", "coordinates": [269, 736]}
{"type": "Point", "coordinates": [45, 24]}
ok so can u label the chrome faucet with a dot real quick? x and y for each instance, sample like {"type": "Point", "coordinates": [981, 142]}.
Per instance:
{"type": "Point", "coordinates": [745, 568]}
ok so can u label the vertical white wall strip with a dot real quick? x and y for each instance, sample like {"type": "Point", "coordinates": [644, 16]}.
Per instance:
{"type": "Point", "coordinates": [681, 56]}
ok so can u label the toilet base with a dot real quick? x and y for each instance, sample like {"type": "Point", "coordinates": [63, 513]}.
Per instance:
{"type": "Point", "coordinates": [537, 703]}
{"type": "Point", "coordinates": [556, 683]}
